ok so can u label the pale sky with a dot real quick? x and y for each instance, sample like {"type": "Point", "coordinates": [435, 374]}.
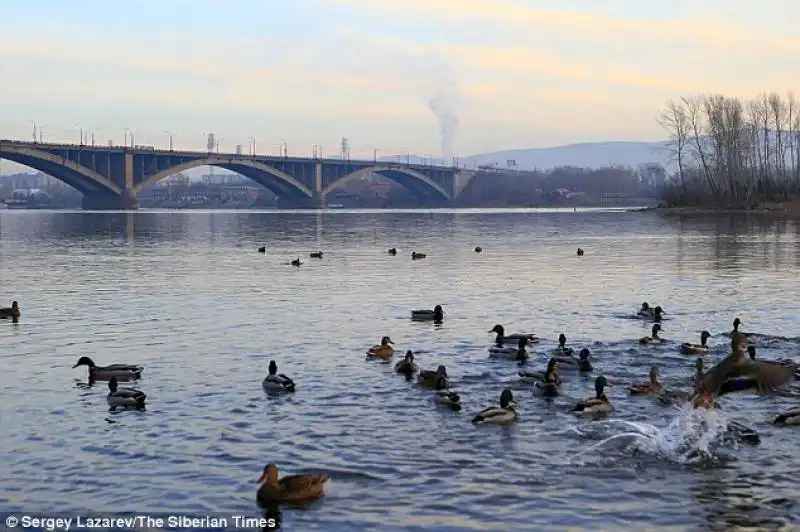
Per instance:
{"type": "Point", "coordinates": [517, 73]}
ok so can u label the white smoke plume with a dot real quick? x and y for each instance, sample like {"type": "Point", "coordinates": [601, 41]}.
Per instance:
{"type": "Point", "coordinates": [445, 106]}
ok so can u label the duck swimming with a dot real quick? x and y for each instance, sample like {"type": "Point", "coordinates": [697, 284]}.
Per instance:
{"type": "Point", "coordinates": [290, 488]}
{"type": "Point", "coordinates": [652, 387]}
{"type": "Point", "coordinates": [519, 353]}
{"type": "Point", "coordinates": [315, 254]}
{"type": "Point", "coordinates": [406, 366]}
{"type": "Point", "coordinates": [562, 348]}
{"type": "Point", "coordinates": [124, 397]}
{"type": "Point", "coordinates": [384, 350]}
{"type": "Point", "coordinates": [392, 251]}
{"type": "Point", "coordinates": [580, 252]}
{"type": "Point", "coordinates": [736, 373]}
{"type": "Point", "coordinates": [417, 256]}
{"type": "Point", "coordinates": [262, 249]}
{"type": "Point", "coordinates": [122, 372]}
{"type": "Point", "coordinates": [10, 312]}
{"type": "Point", "coordinates": [654, 339]}
{"type": "Point", "coordinates": [446, 396]}
{"type": "Point", "coordinates": [550, 384]}
{"type": "Point", "coordinates": [502, 338]}
{"type": "Point", "coordinates": [431, 379]}
{"type": "Point", "coordinates": [649, 313]}
{"type": "Point", "coordinates": [792, 417]}
{"type": "Point", "coordinates": [501, 415]}
{"type": "Point", "coordinates": [697, 349]}
{"type": "Point", "coordinates": [277, 382]}
{"type": "Point", "coordinates": [597, 404]}
{"type": "Point", "coordinates": [536, 376]}
{"type": "Point", "coordinates": [478, 249]}
{"type": "Point", "coordinates": [435, 315]}
{"type": "Point", "coordinates": [296, 262]}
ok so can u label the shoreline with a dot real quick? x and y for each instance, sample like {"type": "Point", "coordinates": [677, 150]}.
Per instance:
{"type": "Point", "coordinates": [791, 208]}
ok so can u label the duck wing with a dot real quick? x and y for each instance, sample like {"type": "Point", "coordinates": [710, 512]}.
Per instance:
{"type": "Point", "coordinates": [767, 376]}
{"type": "Point", "coordinates": [298, 483]}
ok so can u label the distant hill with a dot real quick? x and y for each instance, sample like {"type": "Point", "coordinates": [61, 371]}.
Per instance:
{"type": "Point", "coordinates": [589, 154]}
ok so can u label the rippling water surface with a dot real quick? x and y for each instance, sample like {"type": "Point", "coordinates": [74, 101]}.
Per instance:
{"type": "Point", "coordinates": [186, 295]}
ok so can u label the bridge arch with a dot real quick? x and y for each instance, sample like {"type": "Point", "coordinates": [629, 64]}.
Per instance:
{"type": "Point", "coordinates": [75, 175]}
{"type": "Point", "coordinates": [275, 180]}
{"type": "Point", "coordinates": [401, 175]}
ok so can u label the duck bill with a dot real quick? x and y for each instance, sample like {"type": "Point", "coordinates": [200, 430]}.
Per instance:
{"type": "Point", "coordinates": [262, 478]}
{"type": "Point", "coordinates": [75, 366]}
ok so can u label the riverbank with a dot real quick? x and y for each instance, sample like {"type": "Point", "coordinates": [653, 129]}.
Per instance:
{"type": "Point", "coordinates": [771, 207]}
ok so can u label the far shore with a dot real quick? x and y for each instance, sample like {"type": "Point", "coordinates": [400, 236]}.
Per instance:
{"type": "Point", "coordinates": [785, 207]}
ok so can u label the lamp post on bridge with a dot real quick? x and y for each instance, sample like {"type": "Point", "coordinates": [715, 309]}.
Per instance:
{"type": "Point", "coordinates": [317, 151]}
{"type": "Point", "coordinates": [127, 130]}
{"type": "Point", "coordinates": [374, 155]}
{"type": "Point", "coordinates": [283, 149]}
{"type": "Point", "coordinates": [34, 130]}
{"type": "Point", "coordinates": [252, 146]}
{"type": "Point", "coordinates": [170, 134]}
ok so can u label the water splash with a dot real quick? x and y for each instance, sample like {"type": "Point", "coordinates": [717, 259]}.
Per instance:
{"type": "Point", "coordinates": [692, 437]}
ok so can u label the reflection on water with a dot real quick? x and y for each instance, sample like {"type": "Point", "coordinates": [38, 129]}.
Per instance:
{"type": "Point", "coordinates": [186, 295]}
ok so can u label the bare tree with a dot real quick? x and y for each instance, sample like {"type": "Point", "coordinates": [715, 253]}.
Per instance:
{"type": "Point", "coordinates": [676, 122]}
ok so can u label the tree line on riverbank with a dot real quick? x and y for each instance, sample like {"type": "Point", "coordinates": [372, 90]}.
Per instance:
{"type": "Point", "coordinates": [733, 153]}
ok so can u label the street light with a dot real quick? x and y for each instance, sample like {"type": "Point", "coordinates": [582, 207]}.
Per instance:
{"type": "Point", "coordinates": [252, 146]}
{"type": "Point", "coordinates": [34, 129]}
{"type": "Point", "coordinates": [283, 149]}
{"type": "Point", "coordinates": [317, 148]}
{"type": "Point", "coordinates": [80, 129]}
{"type": "Point", "coordinates": [375, 155]}
{"type": "Point", "coordinates": [127, 130]}
{"type": "Point", "coordinates": [170, 138]}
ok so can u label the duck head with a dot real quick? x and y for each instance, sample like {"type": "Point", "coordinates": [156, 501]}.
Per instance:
{"type": "Point", "coordinates": [499, 330]}
{"type": "Point", "coordinates": [600, 384]}
{"type": "Point", "coordinates": [273, 367]}
{"type": "Point", "coordinates": [658, 312]}
{"type": "Point", "coordinates": [738, 341]}
{"type": "Point", "coordinates": [654, 374]}
{"type": "Point", "coordinates": [478, 249]}
{"type": "Point", "coordinates": [562, 340]}
{"type": "Point", "coordinates": [552, 366]}
{"type": "Point", "coordinates": [704, 336]}
{"type": "Point", "coordinates": [584, 354]}
{"type": "Point", "coordinates": [506, 398]}
{"type": "Point", "coordinates": [409, 358]}
{"type": "Point", "coordinates": [645, 307]}
{"type": "Point", "coordinates": [112, 384]}
{"type": "Point", "coordinates": [85, 361]}
{"type": "Point", "coordinates": [751, 350]}
{"type": "Point", "coordinates": [736, 323]}
{"type": "Point", "coordinates": [386, 341]}
{"type": "Point", "coordinates": [656, 329]}
{"type": "Point", "coordinates": [269, 476]}
{"type": "Point", "coordinates": [14, 305]}
{"type": "Point", "coordinates": [441, 371]}
{"type": "Point", "coordinates": [438, 312]}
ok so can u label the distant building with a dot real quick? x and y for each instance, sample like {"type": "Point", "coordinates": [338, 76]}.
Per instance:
{"type": "Point", "coordinates": [238, 149]}
{"type": "Point", "coordinates": [652, 174]}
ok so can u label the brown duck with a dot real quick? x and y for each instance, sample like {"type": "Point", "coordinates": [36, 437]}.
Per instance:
{"type": "Point", "coordinates": [737, 373]}
{"type": "Point", "coordinates": [652, 387]}
{"type": "Point", "coordinates": [288, 489]}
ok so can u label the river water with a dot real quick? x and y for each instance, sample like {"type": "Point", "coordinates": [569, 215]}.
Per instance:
{"type": "Point", "coordinates": [187, 295]}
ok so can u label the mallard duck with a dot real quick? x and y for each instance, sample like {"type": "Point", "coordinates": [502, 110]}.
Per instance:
{"type": "Point", "coordinates": [517, 353]}
{"type": "Point", "coordinates": [649, 313]}
{"type": "Point", "coordinates": [126, 397]}
{"type": "Point", "coordinates": [122, 372]}
{"type": "Point", "coordinates": [502, 338]}
{"type": "Point", "coordinates": [417, 256]}
{"type": "Point", "coordinates": [736, 324]}
{"type": "Point", "coordinates": [446, 396]}
{"type": "Point", "coordinates": [407, 365]}
{"type": "Point", "coordinates": [533, 377]}
{"type": "Point", "coordinates": [262, 249]}
{"type": "Point", "coordinates": [315, 254]}
{"type": "Point", "coordinates": [584, 364]}
{"type": "Point", "coordinates": [736, 374]}
{"type": "Point", "coordinates": [431, 379]}
{"type": "Point", "coordinates": [296, 262]}
{"type": "Point", "coordinates": [10, 312]}
{"type": "Point", "coordinates": [501, 415]}
{"type": "Point", "coordinates": [478, 249]}
{"type": "Point", "coordinates": [597, 404]}
{"type": "Point", "coordinates": [392, 251]}
{"type": "Point", "coordinates": [697, 349]}
{"type": "Point", "coordinates": [288, 489]}
{"type": "Point", "coordinates": [792, 417]}
{"type": "Point", "coordinates": [549, 385]}
{"type": "Point", "coordinates": [654, 339]}
{"type": "Point", "coordinates": [580, 252]}
{"type": "Point", "coordinates": [562, 348]}
{"type": "Point", "coordinates": [652, 387]}
{"type": "Point", "coordinates": [437, 314]}
{"type": "Point", "coordinates": [384, 350]}
{"type": "Point", "coordinates": [277, 382]}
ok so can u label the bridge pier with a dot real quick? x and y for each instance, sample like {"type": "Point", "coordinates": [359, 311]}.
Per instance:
{"type": "Point", "coordinates": [109, 202]}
